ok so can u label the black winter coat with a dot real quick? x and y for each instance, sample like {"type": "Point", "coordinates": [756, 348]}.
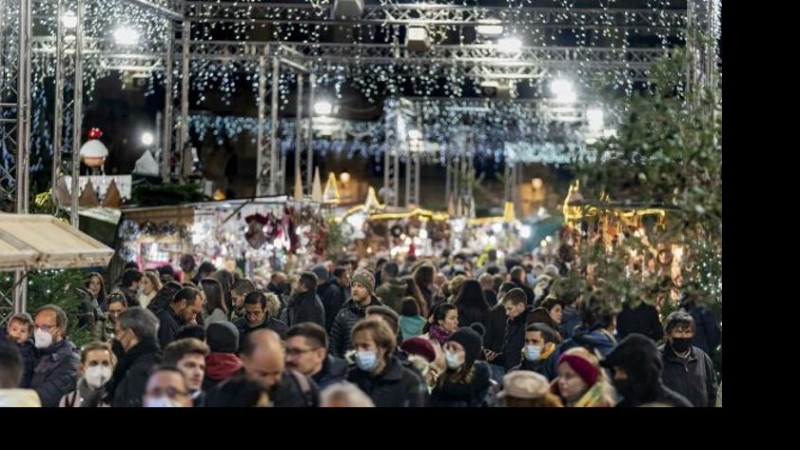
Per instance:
{"type": "Point", "coordinates": [332, 300]}
{"type": "Point", "coordinates": [344, 322]}
{"type": "Point", "coordinates": [334, 370]}
{"type": "Point", "coordinates": [168, 325]}
{"type": "Point", "coordinates": [513, 341]}
{"type": "Point", "coordinates": [396, 387]}
{"type": "Point", "coordinates": [305, 307]}
{"type": "Point", "coordinates": [454, 394]}
{"type": "Point", "coordinates": [496, 329]}
{"type": "Point", "coordinates": [693, 377]}
{"type": "Point", "coordinates": [269, 323]}
{"type": "Point", "coordinates": [642, 319]}
{"type": "Point", "coordinates": [127, 385]}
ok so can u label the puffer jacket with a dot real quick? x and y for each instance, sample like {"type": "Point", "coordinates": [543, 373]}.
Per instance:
{"type": "Point", "coordinates": [56, 372]}
{"type": "Point", "coordinates": [347, 317]}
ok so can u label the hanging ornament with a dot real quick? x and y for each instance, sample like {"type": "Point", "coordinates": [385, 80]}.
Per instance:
{"type": "Point", "coordinates": [167, 229]}
{"type": "Point", "coordinates": [148, 229]}
{"type": "Point", "coordinates": [255, 235]}
{"type": "Point", "coordinates": [128, 230]}
{"type": "Point", "coordinates": [93, 153]}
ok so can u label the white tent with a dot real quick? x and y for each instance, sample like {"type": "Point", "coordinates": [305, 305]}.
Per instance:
{"type": "Point", "coordinates": [35, 242]}
{"type": "Point", "coordinates": [38, 242]}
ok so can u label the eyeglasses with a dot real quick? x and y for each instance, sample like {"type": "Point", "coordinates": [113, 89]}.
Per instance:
{"type": "Point", "coordinates": [298, 351]}
{"type": "Point", "coordinates": [170, 392]}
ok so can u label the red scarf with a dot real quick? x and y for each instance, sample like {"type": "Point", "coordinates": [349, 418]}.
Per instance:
{"type": "Point", "coordinates": [221, 366]}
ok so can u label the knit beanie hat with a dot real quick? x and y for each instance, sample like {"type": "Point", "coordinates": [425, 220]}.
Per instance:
{"type": "Point", "coordinates": [579, 359]}
{"type": "Point", "coordinates": [471, 341]}
{"type": "Point", "coordinates": [366, 279]}
{"type": "Point", "coordinates": [222, 337]}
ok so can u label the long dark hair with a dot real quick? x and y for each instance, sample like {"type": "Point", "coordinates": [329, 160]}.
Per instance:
{"type": "Point", "coordinates": [214, 296]}
{"type": "Point", "coordinates": [412, 290]}
{"type": "Point", "coordinates": [101, 296]}
{"type": "Point", "coordinates": [439, 313]}
{"type": "Point", "coordinates": [471, 303]}
{"type": "Point", "coordinates": [226, 281]}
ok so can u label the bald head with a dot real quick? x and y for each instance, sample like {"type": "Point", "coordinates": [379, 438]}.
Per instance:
{"type": "Point", "coordinates": [263, 356]}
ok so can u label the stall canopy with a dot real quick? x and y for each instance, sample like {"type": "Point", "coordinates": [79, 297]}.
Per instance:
{"type": "Point", "coordinates": [34, 242]}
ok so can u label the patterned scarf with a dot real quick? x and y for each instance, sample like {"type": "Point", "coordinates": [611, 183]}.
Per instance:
{"type": "Point", "coordinates": [594, 397]}
{"type": "Point", "coordinates": [439, 333]}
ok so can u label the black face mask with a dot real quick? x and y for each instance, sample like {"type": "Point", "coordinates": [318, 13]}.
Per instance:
{"type": "Point", "coordinates": [681, 345]}
{"type": "Point", "coordinates": [117, 349]}
{"type": "Point", "coordinates": [624, 388]}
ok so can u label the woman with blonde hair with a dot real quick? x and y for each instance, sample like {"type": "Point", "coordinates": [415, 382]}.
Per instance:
{"type": "Point", "coordinates": [581, 382]}
{"type": "Point", "coordinates": [151, 284]}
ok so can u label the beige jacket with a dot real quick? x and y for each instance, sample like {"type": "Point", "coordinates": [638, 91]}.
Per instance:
{"type": "Point", "coordinates": [18, 398]}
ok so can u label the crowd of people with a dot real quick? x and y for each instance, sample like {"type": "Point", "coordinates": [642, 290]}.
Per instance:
{"type": "Point", "coordinates": [442, 332]}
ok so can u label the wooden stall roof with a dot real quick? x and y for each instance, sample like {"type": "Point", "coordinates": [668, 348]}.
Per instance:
{"type": "Point", "coordinates": [36, 241]}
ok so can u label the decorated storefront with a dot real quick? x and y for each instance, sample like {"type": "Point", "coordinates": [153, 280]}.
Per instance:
{"type": "Point", "coordinates": [257, 236]}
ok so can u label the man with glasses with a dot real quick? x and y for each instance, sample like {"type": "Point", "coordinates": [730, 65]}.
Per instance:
{"type": "Point", "coordinates": [307, 352]}
{"type": "Point", "coordinates": [56, 372]}
{"type": "Point", "coordinates": [166, 388]}
{"type": "Point", "coordinates": [264, 357]}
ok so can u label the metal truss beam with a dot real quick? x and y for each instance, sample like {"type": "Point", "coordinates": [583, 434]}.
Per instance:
{"type": "Point", "coordinates": [475, 60]}
{"type": "Point", "coordinates": [364, 54]}
{"type": "Point", "coordinates": [169, 9]}
{"type": "Point", "coordinates": [448, 15]}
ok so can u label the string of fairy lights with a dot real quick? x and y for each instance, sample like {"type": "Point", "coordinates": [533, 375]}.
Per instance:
{"type": "Point", "coordinates": [123, 27]}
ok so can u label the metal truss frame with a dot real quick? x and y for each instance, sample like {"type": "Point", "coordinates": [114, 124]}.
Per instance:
{"type": "Point", "coordinates": [16, 30]}
{"type": "Point", "coordinates": [645, 20]}
{"type": "Point", "coordinates": [479, 61]}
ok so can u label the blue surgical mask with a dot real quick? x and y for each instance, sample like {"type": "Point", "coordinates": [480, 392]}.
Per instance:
{"type": "Point", "coordinates": [533, 352]}
{"type": "Point", "coordinates": [452, 360]}
{"type": "Point", "coordinates": [366, 360]}
{"type": "Point", "coordinates": [531, 279]}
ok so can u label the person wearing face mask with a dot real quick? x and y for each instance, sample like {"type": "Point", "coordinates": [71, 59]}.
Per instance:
{"type": "Point", "coordinates": [539, 350]}
{"type": "Point", "coordinates": [97, 364]}
{"type": "Point", "coordinates": [166, 388]}
{"type": "Point", "coordinates": [379, 373]}
{"type": "Point", "coordinates": [688, 370]}
{"type": "Point", "coordinates": [466, 381]}
{"type": "Point", "coordinates": [136, 348]}
{"type": "Point", "coordinates": [56, 371]}
{"type": "Point", "coordinates": [636, 368]}
{"type": "Point", "coordinates": [443, 321]}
